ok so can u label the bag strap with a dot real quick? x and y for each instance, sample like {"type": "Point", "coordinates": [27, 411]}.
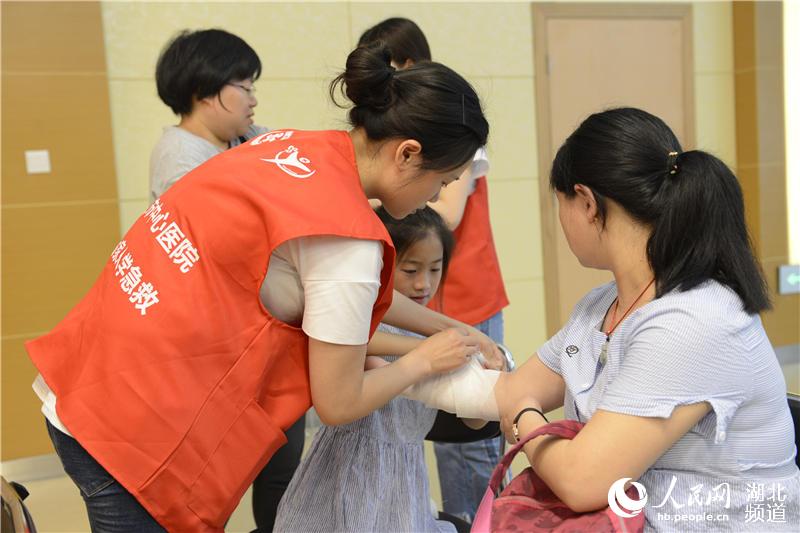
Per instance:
{"type": "Point", "coordinates": [566, 429]}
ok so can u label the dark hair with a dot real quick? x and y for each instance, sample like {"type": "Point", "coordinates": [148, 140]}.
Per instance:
{"type": "Point", "coordinates": [200, 64]}
{"type": "Point", "coordinates": [427, 102]}
{"type": "Point", "coordinates": [414, 228]}
{"type": "Point", "coordinates": [403, 37]}
{"type": "Point", "coordinates": [691, 200]}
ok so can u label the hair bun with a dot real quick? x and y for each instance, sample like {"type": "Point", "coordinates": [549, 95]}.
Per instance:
{"type": "Point", "coordinates": [368, 77]}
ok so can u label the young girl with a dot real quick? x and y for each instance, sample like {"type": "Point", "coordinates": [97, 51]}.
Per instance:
{"type": "Point", "coordinates": [381, 482]}
{"type": "Point", "coordinates": [473, 293]}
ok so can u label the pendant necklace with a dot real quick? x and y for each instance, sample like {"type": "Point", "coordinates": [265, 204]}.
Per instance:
{"type": "Point", "coordinates": [613, 325]}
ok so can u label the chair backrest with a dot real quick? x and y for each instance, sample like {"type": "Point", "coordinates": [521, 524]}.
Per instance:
{"type": "Point", "coordinates": [794, 407]}
{"type": "Point", "coordinates": [15, 516]}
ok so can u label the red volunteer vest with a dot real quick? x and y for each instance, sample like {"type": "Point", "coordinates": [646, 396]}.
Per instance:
{"type": "Point", "coordinates": [170, 372]}
{"type": "Point", "coordinates": [473, 290]}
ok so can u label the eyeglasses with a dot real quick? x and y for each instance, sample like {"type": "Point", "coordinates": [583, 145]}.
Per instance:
{"type": "Point", "coordinates": [251, 91]}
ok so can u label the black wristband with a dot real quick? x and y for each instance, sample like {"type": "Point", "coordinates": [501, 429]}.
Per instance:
{"type": "Point", "coordinates": [515, 428]}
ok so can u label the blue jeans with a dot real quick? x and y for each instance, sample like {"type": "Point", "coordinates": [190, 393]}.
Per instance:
{"type": "Point", "coordinates": [465, 468]}
{"type": "Point", "coordinates": [111, 508]}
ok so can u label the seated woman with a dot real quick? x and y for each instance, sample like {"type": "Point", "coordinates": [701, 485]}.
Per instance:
{"type": "Point", "coordinates": [669, 365]}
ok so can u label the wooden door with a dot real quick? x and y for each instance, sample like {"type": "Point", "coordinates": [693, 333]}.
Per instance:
{"type": "Point", "coordinates": [591, 57]}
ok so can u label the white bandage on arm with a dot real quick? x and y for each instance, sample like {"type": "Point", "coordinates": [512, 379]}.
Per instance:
{"type": "Point", "coordinates": [467, 392]}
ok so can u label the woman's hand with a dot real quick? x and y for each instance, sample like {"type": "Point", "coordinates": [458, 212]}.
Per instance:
{"type": "Point", "coordinates": [492, 356]}
{"type": "Point", "coordinates": [407, 314]}
{"type": "Point", "coordinates": [446, 350]}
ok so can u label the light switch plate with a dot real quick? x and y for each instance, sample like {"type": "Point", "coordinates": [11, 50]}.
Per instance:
{"type": "Point", "coordinates": [37, 161]}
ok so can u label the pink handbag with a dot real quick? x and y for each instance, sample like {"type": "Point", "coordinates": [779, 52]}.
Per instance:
{"type": "Point", "coordinates": [527, 504]}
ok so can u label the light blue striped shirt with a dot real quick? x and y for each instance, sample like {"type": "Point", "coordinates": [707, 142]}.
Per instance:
{"type": "Point", "coordinates": [733, 471]}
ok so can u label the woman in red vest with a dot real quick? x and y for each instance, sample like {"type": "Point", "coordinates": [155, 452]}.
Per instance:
{"type": "Point", "coordinates": [252, 285]}
{"type": "Point", "coordinates": [473, 292]}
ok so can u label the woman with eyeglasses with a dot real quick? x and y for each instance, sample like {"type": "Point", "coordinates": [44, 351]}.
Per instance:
{"type": "Point", "coordinates": [206, 77]}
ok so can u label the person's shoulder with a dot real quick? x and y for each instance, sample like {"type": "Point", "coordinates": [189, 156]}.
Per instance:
{"type": "Point", "coordinates": [176, 141]}
{"type": "Point", "coordinates": [710, 302]}
{"type": "Point", "coordinates": [710, 313]}
{"type": "Point", "coordinates": [175, 134]}
{"type": "Point", "coordinates": [176, 153]}
{"type": "Point", "coordinates": [167, 139]}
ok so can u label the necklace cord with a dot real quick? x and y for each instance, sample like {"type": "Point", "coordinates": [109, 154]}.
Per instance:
{"type": "Point", "coordinates": [616, 306]}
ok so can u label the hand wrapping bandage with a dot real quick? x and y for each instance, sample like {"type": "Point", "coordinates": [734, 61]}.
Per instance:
{"type": "Point", "coordinates": [467, 392]}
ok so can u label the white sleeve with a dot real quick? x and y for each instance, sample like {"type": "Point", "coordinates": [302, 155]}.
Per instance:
{"type": "Point", "coordinates": [480, 166]}
{"type": "Point", "coordinates": [340, 279]}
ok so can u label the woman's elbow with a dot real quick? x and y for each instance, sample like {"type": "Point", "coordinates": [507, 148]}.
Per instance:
{"type": "Point", "coordinates": [581, 502]}
{"type": "Point", "coordinates": [337, 412]}
{"type": "Point", "coordinates": [332, 416]}
{"type": "Point", "coordinates": [582, 496]}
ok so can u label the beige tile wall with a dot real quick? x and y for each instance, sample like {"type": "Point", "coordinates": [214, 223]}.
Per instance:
{"type": "Point", "coordinates": [758, 64]}
{"type": "Point", "coordinates": [57, 228]}
{"type": "Point", "coordinates": [715, 108]}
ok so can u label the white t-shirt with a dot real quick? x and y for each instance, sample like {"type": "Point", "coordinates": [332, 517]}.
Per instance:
{"type": "Point", "coordinates": [330, 283]}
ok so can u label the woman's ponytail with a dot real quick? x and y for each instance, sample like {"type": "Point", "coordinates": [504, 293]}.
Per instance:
{"type": "Point", "coordinates": [691, 200]}
{"type": "Point", "coordinates": [701, 232]}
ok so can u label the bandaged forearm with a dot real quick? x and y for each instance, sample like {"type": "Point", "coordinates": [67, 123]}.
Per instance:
{"type": "Point", "coordinates": [467, 392]}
